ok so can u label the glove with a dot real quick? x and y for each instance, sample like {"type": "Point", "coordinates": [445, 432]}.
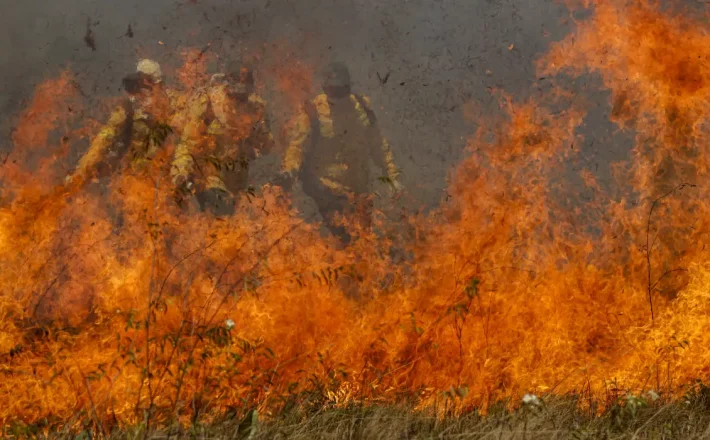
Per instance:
{"type": "Point", "coordinates": [72, 180]}
{"type": "Point", "coordinates": [184, 190]}
{"type": "Point", "coordinates": [183, 184]}
{"type": "Point", "coordinates": [396, 188]}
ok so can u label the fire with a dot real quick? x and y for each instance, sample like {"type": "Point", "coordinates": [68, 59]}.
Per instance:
{"type": "Point", "coordinates": [500, 292]}
{"type": "Point", "coordinates": [43, 132]}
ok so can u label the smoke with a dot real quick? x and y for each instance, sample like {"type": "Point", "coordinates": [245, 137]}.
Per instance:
{"type": "Point", "coordinates": [439, 58]}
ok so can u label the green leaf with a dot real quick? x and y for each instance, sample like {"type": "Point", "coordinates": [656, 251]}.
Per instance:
{"type": "Point", "coordinates": [472, 288]}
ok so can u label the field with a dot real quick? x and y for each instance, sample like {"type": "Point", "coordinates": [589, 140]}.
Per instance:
{"type": "Point", "coordinates": [560, 418]}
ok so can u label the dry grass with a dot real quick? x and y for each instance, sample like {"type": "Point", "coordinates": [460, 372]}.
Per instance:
{"type": "Point", "coordinates": [558, 419]}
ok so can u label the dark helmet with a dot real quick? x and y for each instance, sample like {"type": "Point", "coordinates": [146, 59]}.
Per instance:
{"type": "Point", "coordinates": [241, 82]}
{"type": "Point", "coordinates": [237, 71]}
{"type": "Point", "coordinates": [336, 78]}
{"type": "Point", "coordinates": [246, 77]}
{"type": "Point", "coordinates": [135, 83]}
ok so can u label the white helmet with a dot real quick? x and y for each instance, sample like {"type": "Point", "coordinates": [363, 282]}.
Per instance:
{"type": "Point", "coordinates": [218, 78]}
{"type": "Point", "coordinates": [150, 68]}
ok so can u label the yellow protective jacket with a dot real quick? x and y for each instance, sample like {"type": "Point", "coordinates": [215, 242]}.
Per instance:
{"type": "Point", "coordinates": [330, 141]}
{"type": "Point", "coordinates": [131, 129]}
{"type": "Point", "coordinates": [222, 134]}
{"type": "Point", "coordinates": [192, 120]}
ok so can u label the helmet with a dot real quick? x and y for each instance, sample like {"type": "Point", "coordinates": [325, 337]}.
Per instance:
{"type": "Point", "coordinates": [246, 76]}
{"type": "Point", "coordinates": [151, 69]}
{"type": "Point", "coordinates": [234, 87]}
{"type": "Point", "coordinates": [336, 75]}
{"type": "Point", "coordinates": [218, 78]}
{"type": "Point", "coordinates": [239, 89]}
{"type": "Point", "coordinates": [135, 83]}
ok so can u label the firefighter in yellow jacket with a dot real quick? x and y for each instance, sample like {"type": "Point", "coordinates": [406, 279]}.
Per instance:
{"type": "Point", "coordinates": [330, 144]}
{"type": "Point", "coordinates": [228, 128]}
{"type": "Point", "coordinates": [137, 128]}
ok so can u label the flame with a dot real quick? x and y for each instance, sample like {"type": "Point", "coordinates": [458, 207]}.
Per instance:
{"type": "Point", "coordinates": [42, 133]}
{"type": "Point", "coordinates": [501, 291]}
{"type": "Point", "coordinates": [656, 67]}
{"type": "Point", "coordinates": [194, 69]}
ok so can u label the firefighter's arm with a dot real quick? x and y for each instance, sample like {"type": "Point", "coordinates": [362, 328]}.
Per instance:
{"type": "Point", "coordinates": [183, 163]}
{"type": "Point", "coordinates": [266, 138]}
{"type": "Point", "coordinates": [99, 144]}
{"type": "Point", "coordinates": [383, 152]}
{"type": "Point", "coordinates": [298, 133]}
{"type": "Point", "coordinates": [262, 130]}
{"type": "Point", "coordinates": [392, 171]}
{"type": "Point", "coordinates": [192, 134]}
{"type": "Point", "coordinates": [215, 115]}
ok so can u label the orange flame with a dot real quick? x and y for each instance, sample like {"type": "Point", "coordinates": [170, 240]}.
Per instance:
{"type": "Point", "coordinates": [497, 293]}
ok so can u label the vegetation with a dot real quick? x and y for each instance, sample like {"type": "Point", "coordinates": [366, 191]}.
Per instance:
{"type": "Point", "coordinates": [633, 417]}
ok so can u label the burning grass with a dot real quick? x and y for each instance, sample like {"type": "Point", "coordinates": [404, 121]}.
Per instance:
{"type": "Point", "coordinates": [118, 308]}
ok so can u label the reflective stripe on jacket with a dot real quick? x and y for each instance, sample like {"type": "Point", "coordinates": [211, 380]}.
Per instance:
{"type": "Point", "coordinates": [133, 122]}
{"type": "Point", "coordinates": [302, 128]}
{"type": "Point", "coordinates": [208, 120]}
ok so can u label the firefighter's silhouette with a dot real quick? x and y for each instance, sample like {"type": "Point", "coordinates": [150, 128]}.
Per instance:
{"type": "Point", "coordinates": [331, 141]}
{"type": "Point", "coordinates": [137, 128]}
{"type": "Point", "coordinates": [227, 127]}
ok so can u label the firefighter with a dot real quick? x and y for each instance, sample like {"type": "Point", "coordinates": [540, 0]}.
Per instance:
{"type": "Point", "coordinates": [229, 128]}
{"type": "Point", "coordinates": [330, 143]}
{"type": "Point", "coordinates": [138, 127]}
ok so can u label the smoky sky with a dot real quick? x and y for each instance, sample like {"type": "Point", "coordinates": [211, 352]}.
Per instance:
{"type": "Point", "coordinates": [439, 55]}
